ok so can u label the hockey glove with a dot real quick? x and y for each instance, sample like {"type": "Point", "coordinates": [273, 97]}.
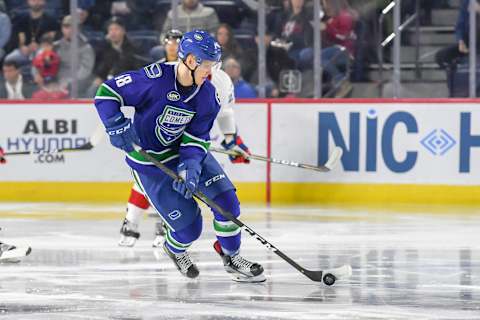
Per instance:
{"type": "Point", "coordinates": [189, 172]}
{"type": "Point", "coordinates": [121, 132]}
{"type": "Point", "coordinates": [2, 157]}
{"type": "Point", "coordinates": [235, 143]}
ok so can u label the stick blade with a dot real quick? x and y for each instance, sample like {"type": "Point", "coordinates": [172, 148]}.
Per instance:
{"type": "Point", "coordinates": [313, 275]}
{"type": "Point", "coordinates": [334, 159]}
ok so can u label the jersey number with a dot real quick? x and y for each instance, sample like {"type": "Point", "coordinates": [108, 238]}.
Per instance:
{"type": "Point", "coordinates": [123, 80]}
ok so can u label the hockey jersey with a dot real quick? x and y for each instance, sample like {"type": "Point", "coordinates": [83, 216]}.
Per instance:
{"type": "Point", "coordinates": [224, 86]}
{"type": "Point", "coordinates": [169, 122]}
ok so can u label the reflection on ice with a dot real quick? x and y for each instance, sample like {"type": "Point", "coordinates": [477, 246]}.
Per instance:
{"type": "Point", "coordinates": [404, 267]}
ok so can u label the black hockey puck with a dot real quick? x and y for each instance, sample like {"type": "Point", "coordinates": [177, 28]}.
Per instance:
{"type": "Point", "coordinates": [329, 279]}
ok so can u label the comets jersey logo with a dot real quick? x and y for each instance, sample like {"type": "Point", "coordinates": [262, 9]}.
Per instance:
{"type": "Point", "coordinates": [171, 124]}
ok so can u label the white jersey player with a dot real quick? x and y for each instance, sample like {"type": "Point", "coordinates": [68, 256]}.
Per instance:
{"type": "Point", "coordinates": [8, 252]}
{"type": "Point", "coordinates": [137, 203]}
{"type": "Point", "coordinates": [11, 253]}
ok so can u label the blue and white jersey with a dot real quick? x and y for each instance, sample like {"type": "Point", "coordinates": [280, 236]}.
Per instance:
{"type": "Point", "coordinates": [170, 123]}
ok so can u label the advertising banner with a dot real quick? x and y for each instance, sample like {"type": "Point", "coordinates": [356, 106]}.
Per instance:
{"type": "Point", "coordinates": [40, 127]}
{"type": "Point", "coordinates": [414, 143]}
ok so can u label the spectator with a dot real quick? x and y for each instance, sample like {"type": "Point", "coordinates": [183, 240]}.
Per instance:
{"type": "Point", "coordinates": [117, 54]}
{"type": "Point", "coordinates": [231, 48]}
{"type": "Point", "coordinates": [93, 14]}
{"type": "Point", "coordinates": [85, 57]}
{"type": "Point", "coordinates": [448, 57]}
{"type": "Point", "coordinates": [276, 17]}
{"type": "Point", "coordinates": [339, 25]}
{"type": "Point", "coordinates": [242, 88]}
{"type": "Point", "coordinates": [136, 13]}
{"type": "Point", "coordinates": [338, 32]}
{"type": "Point", "coordinates": [366, 30]}
{"type": "Point", "coordinates": [225, 38]}
{"type": "Point", "coordinates": [5, 28]}
{"type": "Point", "coordinates": [168, 52]}
{"type": "Point", "coordinates": [193, 15]}
{"type": "Point", "coordinates": [296, 34]}
{"type": "Point", "coordinates": [277, 60]}
{"type": "Point", "coordinates": [28, 29]}
{"type": "Point", "coordinates": [14, 87]}
{"type": "Point", "coordinates": [47, 64]}
{"type": "Point", "coordinates": [335, 63]}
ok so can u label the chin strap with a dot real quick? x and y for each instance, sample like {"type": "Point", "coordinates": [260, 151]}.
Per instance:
{"type": "Point", "coordinates": [192, 71]}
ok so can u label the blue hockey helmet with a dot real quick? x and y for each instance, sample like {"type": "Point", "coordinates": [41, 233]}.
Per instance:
{"type": "Point", "coordinates": [201, 44]}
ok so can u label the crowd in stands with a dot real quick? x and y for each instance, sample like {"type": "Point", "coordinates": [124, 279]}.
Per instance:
{"type": "Point", "coordinates": [120, 35]}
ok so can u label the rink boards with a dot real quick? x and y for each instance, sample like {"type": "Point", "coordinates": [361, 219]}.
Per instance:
{"type": "Point", "coordinates": [403, 151]}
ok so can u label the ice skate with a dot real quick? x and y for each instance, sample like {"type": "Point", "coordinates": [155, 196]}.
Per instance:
{"type": "Point", "coordinates": [128, 234]}
{"type": "Point", "coordinates": [160, 232]}
{"type": "Point", "coordinates": [10, 253]}
{"type": "Point", "coordinates": [183, 262]}
{"type": "Point", "coordinates": [239, 268]}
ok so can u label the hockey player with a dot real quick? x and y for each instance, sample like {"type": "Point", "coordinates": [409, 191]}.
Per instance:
{"type": "Point", "coordinates": [11, 253]}
{"type": "Point", "coordinates": [137, 203]}
{"type": "Point", "coordinates": [175, 107]}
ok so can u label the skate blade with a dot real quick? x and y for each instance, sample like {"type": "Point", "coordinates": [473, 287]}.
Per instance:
{"type": "Point", "coordinates": [127, 241]}
{"type": "Point", "coordinates": [343, 272]}
{"type": "Point", "coordinates": [244, 279]}
{"type": "Point", "coordinates": [15, 254]}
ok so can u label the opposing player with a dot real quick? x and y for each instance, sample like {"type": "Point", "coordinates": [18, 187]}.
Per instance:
{"type": "Point", "coordinates": [137, 203]}
{"type": "Point", "coordinates": [175, 107]}
{"type": "Point", "coordinates": [8, 252]}
{"type": "Point", "coordinates": [11, 253]}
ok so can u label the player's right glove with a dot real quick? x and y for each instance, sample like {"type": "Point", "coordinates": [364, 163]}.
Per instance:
{"type": "Point", "coordinates": [121, 132]}
{"type": "Point", "coordinates": [2, 157]}
{"type": "Point", "coordinates": [189, 172]}
{"type": "Point", "coordinates": [235, 143]}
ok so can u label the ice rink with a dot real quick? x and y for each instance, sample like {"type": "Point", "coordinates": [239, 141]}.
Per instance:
{"type": "Point", "coordinates": [406, 265]}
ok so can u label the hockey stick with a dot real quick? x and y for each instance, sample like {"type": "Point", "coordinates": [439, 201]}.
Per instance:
{"type": "Point", "coordinates": [327, 276]}
{"type": "Point", "coordinates": [96, 137]}
{"type": "Point", "coordinates": [332, 162]}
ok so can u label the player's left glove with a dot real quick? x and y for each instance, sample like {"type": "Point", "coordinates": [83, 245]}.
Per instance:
{"type": "Point", "coordinates": [235, 143]}
{"type": "Point", "coordinates": [189, 172]}
{"type": "Point", "coordinates": [2, 157]}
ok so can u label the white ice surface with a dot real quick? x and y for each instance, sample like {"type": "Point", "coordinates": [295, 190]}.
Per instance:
{"type": "Point", "coordinates": [405, 266]}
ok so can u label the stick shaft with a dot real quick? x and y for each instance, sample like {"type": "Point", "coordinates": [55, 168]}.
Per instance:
{"type": "Point", "coordinates": [86, 146]}
{"type": "Point", "coordinates": [273, 160]}
{"type": "Point", "coordinates": [97, 136]}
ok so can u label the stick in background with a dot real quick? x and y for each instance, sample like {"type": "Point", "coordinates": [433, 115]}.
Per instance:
{"type": "Point", "coordinates": [94, 140]}
{"type": "Point", "coordinates": [332, 162]}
